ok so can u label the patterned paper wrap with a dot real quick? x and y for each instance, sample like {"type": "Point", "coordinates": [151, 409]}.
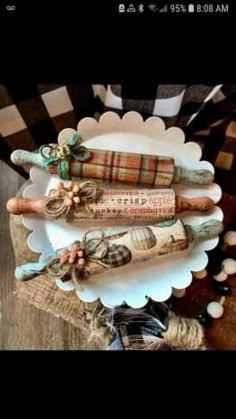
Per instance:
{"type": "Point", "coordinates": [136, 204]}
{"type": "Point", "coordinates": [154, 240]}
{"type": "Point", "coordinates": [125, 204]}
{"type": "Point", "coordinates": [76, 202]}
{"type": "Point", "coordinates": [96, 252]}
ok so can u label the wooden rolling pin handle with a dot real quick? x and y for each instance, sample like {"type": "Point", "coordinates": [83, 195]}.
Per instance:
{"type": "Point", "coordinates": [25, 206]}
{"type": "Point", "coordinates": [202, 204]}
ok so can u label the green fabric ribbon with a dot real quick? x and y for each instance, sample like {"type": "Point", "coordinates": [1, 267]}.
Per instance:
{"type": "Point", "coordinates": [61, 154]}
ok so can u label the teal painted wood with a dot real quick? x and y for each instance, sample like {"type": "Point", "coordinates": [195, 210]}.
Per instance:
{"type": "Point", "coordinates": [205, 230]}
{"type": "Point", "coordinates": [198, 177]}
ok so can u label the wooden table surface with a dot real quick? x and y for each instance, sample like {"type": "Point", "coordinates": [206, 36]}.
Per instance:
{"type": "Point", "coordinates": [23, 326]}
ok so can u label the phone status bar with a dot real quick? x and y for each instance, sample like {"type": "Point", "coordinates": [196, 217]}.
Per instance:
{"type": "Point", "coordinates": [173, 8]}
{"type": "Point", "coordinates": [13, 7]}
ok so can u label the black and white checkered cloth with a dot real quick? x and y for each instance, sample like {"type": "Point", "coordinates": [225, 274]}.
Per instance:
{"type": "Point", "coordinates": [175, 104]}
{"type": "Point", "coordinates": [134, 329]}
{"type": "Point", "coordinates": [32, 115]}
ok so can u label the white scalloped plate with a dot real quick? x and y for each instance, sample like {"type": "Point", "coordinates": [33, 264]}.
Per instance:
{"type": "Point", "coordinates": [132, 283]}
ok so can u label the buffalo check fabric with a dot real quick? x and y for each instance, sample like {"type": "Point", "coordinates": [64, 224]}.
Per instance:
{"type": "Point", "coordinates": [135, 329]}
{"type": "Point", "coordinates": [32, 115]}
{"type": "Point", "coordinates": [175, 104]}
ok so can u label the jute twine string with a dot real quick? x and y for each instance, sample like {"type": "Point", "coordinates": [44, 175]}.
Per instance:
{"type": "Point", "coordinates": [65, 201]}
{"type": "Point", "coordinates": [71, 264]}
{"type": "Point", "coordinates": [184, 333]}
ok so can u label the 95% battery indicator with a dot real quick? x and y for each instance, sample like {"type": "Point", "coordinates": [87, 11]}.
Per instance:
{"type": "Point", "coordinates": [178, 8]}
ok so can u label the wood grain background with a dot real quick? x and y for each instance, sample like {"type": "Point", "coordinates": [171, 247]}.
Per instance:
{"type": "Point", "coordinates": [22, 325]}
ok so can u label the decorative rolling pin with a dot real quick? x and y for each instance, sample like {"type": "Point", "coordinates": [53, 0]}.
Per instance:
{"type": "Point", "coordinates": [72, 159]}
{"type": "Point", "coordinates": [95, 255]}
{"type": "Point", "coordinates": [78, 202]}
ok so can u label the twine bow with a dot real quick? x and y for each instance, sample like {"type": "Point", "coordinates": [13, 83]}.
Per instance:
{"type": "Point", "coordinates": [71, 263]}
{"type": "Point", "coordinates": [61, 154]}
{"type": "Point", "coordinates": [62, 202]}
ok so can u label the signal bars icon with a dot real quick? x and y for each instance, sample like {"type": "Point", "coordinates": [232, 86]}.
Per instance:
{"type": "Point", "coordinates": [164, 9]}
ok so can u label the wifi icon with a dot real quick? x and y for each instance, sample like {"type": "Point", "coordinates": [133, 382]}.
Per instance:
{"type": "Point", "coordinates": [153, 7]}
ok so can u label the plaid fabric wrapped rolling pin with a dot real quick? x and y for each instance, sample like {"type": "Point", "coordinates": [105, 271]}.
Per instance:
{"type": "Point", "coordinates": [72, 159]}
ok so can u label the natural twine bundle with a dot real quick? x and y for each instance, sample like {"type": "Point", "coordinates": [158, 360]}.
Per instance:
{"type": "Point", "coordinates": [182, 333]}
